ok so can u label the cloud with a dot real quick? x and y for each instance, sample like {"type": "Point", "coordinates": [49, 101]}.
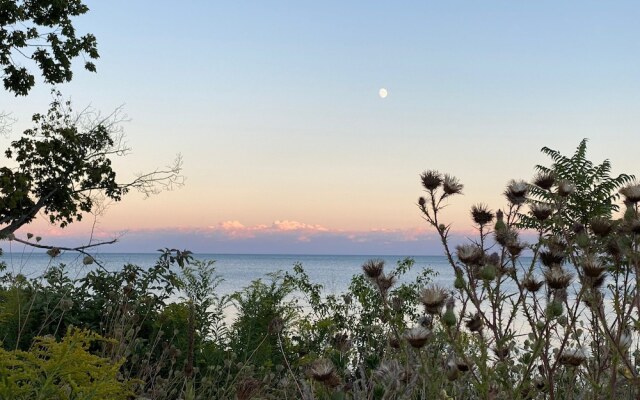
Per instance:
{"type": "Point", "coordinates": [297, 226]}
{"type": "Point", "coordinates": [281, 236]}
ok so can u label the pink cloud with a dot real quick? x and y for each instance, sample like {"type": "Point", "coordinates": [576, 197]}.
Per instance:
{"type": "Point", "coordinates": [297, 226]}
{"type": "Point", "coordinates": [280, 236]}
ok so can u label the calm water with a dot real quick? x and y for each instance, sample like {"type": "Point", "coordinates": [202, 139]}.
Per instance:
{"type": "Point", "coordinates": [238, 270]}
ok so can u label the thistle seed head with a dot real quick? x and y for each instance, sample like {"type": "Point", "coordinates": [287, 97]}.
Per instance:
{"type": "Point", "coordinates": [433, 298]}
{"type": "Point", "coordinates": [516, 192]}
{"type": "Point", "coordinates": [431, 179]}
{"type": "Point", "coordinates": [566, 188]}
{"type": "Point", "coordinates": [469, 254]}
{"type": "Point", "coordinates": [417, 336]}
{"type": "Point", "coordinates": [531, 283]}
{"type": "Point", "coordinates": [550, 258]}
{"type": "Point", "coordinates": [373, 268]}
{"type": "Point", "coordinates": [593, 268]}
{"type": "Point", "coordinates": [385, 282]}
{"type": "Point", "coordinates": [322, 369]}
{"type": "Point", "coordinates": [631, 192]}
{"type": "Point", "coordinates": [544, 180]}
{"type": "Point", "coordinates": [572, 357]}
{"type": "Point", "coordinates": [515, 248]}
{"type": "Point", "coordinates": [601, 226]}
{"type": "Point", "coordinates": [451, 185]}
{"type": "Point", "coordinates": [481, 214]}
{"type": "Point", "coordinates": [541, 211]}
{"type": "Point", "coordinates": [505, 236]}
{"type": "Point", "coordinates": [557, 278]}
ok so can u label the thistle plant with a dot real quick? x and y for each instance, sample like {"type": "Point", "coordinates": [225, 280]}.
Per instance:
{"type": "Point", "coordinates": [555, 318]}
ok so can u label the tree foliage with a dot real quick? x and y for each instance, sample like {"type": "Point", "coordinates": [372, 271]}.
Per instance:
{"type": "Point", "coordinates": [63, 162]}
{"type": "Point", "coordinates": [43, 32]}
{"type": "Point", "coordinates": [594, 190]}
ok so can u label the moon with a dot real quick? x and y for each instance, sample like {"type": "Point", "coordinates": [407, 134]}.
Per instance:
{"type": "Point", "coordinates": [383, 93]}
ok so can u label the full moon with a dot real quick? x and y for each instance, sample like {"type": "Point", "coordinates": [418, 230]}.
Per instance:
{"type": "Point", "coordinates": [383, 93]}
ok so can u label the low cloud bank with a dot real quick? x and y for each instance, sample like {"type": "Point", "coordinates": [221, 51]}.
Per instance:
{"type": "Point", "coordinates": [279, 237]}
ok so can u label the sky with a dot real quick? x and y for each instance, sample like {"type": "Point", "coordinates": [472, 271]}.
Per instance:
{"type": "Point", "coordinates": [287, 145]}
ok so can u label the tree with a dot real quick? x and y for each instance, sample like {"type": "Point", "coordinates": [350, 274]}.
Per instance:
{"type": "Point", "coordinates": [43, 32]}
{"type": "Point", "coordinates": [588, 189]}
{"type": "Point", "coordinates": [63, 163]}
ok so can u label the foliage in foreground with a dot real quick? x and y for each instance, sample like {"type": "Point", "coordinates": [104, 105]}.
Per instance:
{"type": "Point", "coordinates": [552, 319]}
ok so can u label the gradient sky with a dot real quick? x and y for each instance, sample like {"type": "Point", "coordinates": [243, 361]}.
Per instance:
{"type": "Point", "coordinates": [287, 146]}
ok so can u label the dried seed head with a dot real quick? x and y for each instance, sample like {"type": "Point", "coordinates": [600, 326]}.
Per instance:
{"type": "Point", "coordinates": [631, 192]}
{"type": "Point", "coordinates": [566, 188]}
{"type": "Point", "coordinates": [544, 180]}
{"type": "Point", "coordinates": [541, 211]}
{"type": "Point", "coordinates": [505, 236]}
{"type": "Point", "coordinates": [531, 283]}
{"type": "Point", "coordinates": [469, 254]}
{"type": "Point", "coordinates": [433, 298]}
{"type": "Point", "coordinates": [556, 244]}
{"type": "Point", "coordinates": [614, 248]}
{"type": "Point", "coordinates": [572, 357]}
{"type": "Point", "coordinates": [373, 268]}
{"type": "Point", "coordinates": [601, 226]}
{"type": "Point", "coordinates": [592, 267]}
{"type": "Point", "coordinates": [474, 323]}
{"type": "Point", "coordinates": [385, 282]}
{"type": "Point", "coordinates": [557, 278]}
{"type": "Point", "coordinates": [551, 258]}
{"type": "Point", "coordinates": [417, 336]}
{"type": "Point", "coordinates": [516, 192]}
{"type": "Point", "coordinates": [451, 185]}
{"type": "Point", "coordinates": [322, 369]}
{"type": "Point", "coordinates": [481, 214]}
{"type": "Point", "coordinates": [515, 248]}
{"type": "Point", "coordinates": [431, 179]}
